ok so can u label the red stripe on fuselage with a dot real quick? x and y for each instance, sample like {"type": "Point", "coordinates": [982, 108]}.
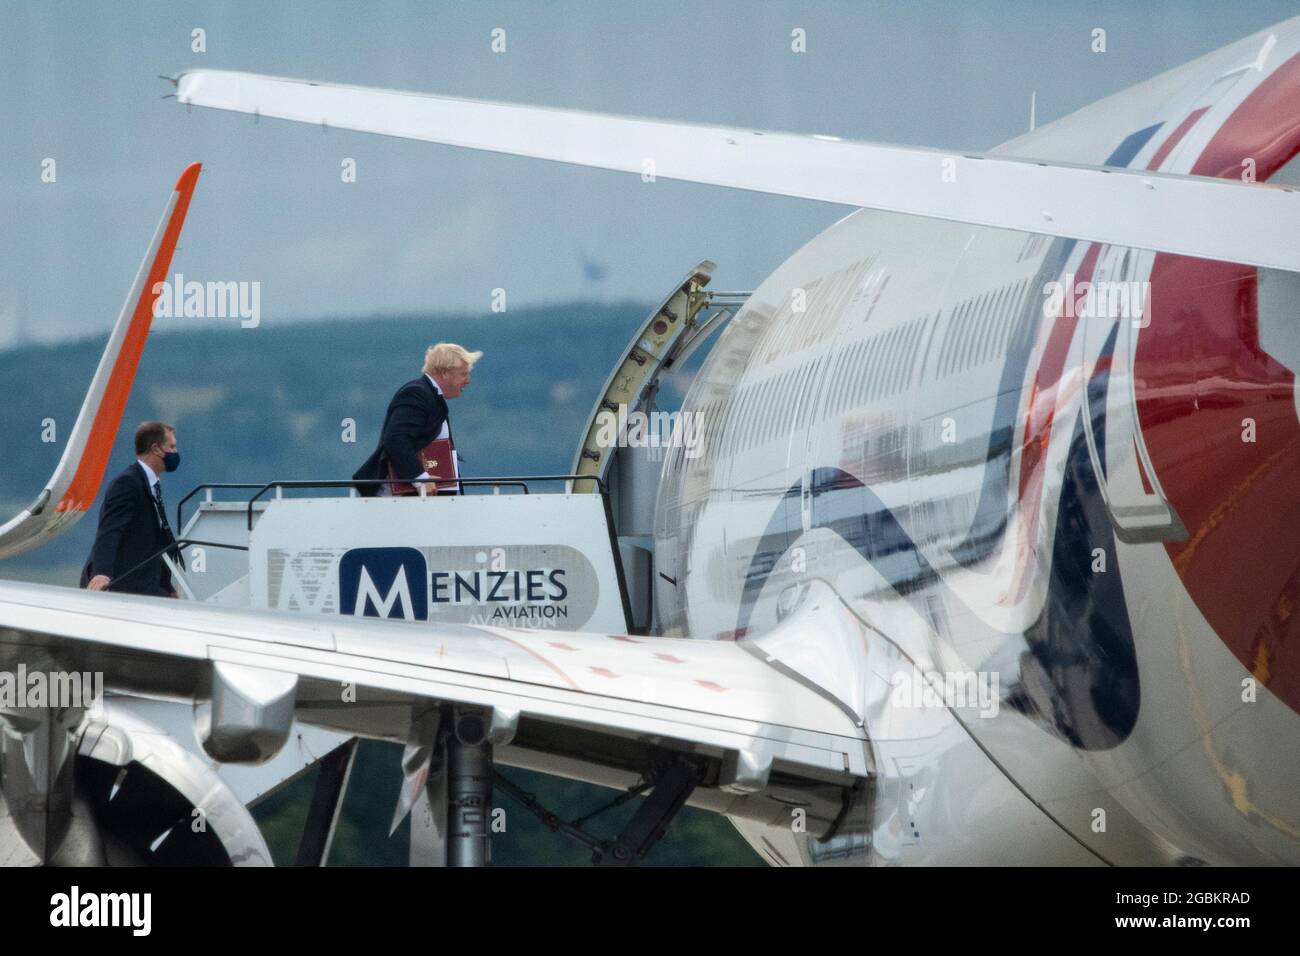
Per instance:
{"type": "Point", "coordinates": [1044, 395]}
{"type": "Point", "coordinates": [1201, 376]}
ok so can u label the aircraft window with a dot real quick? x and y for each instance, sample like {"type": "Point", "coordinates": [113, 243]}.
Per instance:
{"type": "Point", "coordinates": [878, 363]}
{"type": "Point", "coordinates": [1013, 314]}
{"type": "Point", "coordinates": [1013, 309]}
{"type": "Point", "coordinates": [765, 428]}
{"type": "Point", "coordinates": [789, 382]}
{"type": "Point", "coordinates": [864, 371]}
{"type": "Point", "coordinates": [748, 416]}
{"type": "Point", "coordinates": [971, 349]}
{"type": "Point", "coordinates": [726, 423]}
{"type": "Point", "coordinates": [955, 336]}
{"type": "Point", "coordinates": [735, 419]}
{"type": "Point", "coordinates": [1019, 312]}
{"type": "Point", "coordinates": [918, 336]}
{"type": "Point", "coordinates": [792, 406]}
{"type": "Point", "coordinates": [899, 379]}
{"type": "Point", "coordinates": [963, 337]}
{"type": "Point", "coordinates": [1000, 329]}
{"type": "Point", "coordinates": [836, 380]}
{"type": "Point", "coordinates": [922, 328]}
{"type": "Point", "coordinates": [778, 404]}
{"type": "Point", "coordinates": [846, 378]}
{"type": "Point", "coordinates": [987, 332]}
{"type": "Point", "coordinates": [861, 372]}
{"type": "Point", "coordinates": [936, 321]}
{"type": "Point", "coordinates": [791, 398]}
{"type": "Point", "coordinates": [850, 374]}
{"type": "Point", "coordinates": [740, 420]}
{"type": "Point", "coordinates": [831, 364]}
{"type": "Point", "coordinates": [705, 411]}
{"type": "Point", "coordinates": [856, 371]}
{"type": "Point", "coordinates": [806, 393]}
{"type": "Point", "coordinates": [763, 411]}
{"type": "Point", "coordinates": [886, 364]}
{"type": "Point", "coordinates": [840, 381]}
{"type": "Point", "coordinates": [768, 406]}
{"type": "Point", "coordinates": [975, 344]}
{"type": "Point", "coordinates": [905, 354]}
{"type": "Point", "coordinates": [869, 379]}
{"type": "Point", "coordinates": [751, 425]}
{"type": "Point", "coordinates": [997, 304]}
{"type": "Point", "coordinates": [880, 380]}
{"type": "Point", "coordinates": [743, 417]}
{"type": "Point", "coordinates": [941, 359]}
{"type": "Point", "coordinates": [1024, 319]}
{"type": "Point", "coordinates": [977, 338]}
{"type": "Point", "coordinates": [949, 352]}
{"type": "Point", "coordinates": [897, 361]}
{"type": "Point", "coordinates": [962, 345]}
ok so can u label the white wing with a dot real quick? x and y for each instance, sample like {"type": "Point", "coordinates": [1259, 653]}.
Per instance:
{"type": "Point", "coordinates": [590, 706]}
{"type": "Point", "coordinates": [72, 488]}
{"type": "Point", "coordinates": [1250, 223]}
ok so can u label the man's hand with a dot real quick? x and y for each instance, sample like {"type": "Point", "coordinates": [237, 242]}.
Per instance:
{"type": "Point", "coordinates": [98, 583]}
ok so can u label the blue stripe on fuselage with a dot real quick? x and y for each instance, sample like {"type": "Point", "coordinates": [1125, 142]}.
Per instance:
{"type": "Point", "coordinates": [1080, 651]}
{"type": "Point", "coordinates": [991, 510]}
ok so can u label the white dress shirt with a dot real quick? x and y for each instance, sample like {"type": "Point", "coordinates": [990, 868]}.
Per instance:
{"type": "Point", "coordinates": [148, 473]}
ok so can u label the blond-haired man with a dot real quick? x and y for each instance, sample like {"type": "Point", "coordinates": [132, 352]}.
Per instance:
{"type": "Point", "coordinates": [417, 415]}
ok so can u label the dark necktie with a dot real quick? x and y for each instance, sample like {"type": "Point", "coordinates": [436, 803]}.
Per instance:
{"type": "Point", "coordinates": [162, 523]}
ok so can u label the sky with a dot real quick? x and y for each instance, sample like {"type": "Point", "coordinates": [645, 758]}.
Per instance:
{"type": "Point", "coordinates": [427, 228]}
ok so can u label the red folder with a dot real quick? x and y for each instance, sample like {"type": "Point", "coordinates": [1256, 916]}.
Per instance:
{"type": "Point", "coordinates": [436, 457]}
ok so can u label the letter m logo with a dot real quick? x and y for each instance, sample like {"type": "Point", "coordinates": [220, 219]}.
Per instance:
{"type": "Point", "coordinates": [384, 582]}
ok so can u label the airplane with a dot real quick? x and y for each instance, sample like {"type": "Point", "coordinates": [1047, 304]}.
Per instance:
{"type": "Point", "coordinates": [964, 572]}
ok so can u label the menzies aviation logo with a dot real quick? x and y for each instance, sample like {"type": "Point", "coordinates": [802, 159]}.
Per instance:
{"type": "Point", "coordinates": [529, 585]}
{"type": "Point", "coordinates": [384, 582]}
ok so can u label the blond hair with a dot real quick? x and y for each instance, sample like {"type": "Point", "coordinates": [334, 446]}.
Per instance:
{"type": "Point", "coordinates": [445, 356]}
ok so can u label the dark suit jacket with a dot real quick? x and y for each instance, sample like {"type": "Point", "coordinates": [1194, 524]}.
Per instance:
{"type": "Point", "coordinates": [414, 418]}
{"type": "Point", "coordinates": [128, 533]}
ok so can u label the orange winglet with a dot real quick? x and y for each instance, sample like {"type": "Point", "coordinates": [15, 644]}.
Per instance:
{"type": "Point", "coordinates": [99, 444]}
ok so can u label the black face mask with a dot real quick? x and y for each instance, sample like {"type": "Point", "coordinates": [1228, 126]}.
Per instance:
{"type": "Point", "coordinates": [171, 460]}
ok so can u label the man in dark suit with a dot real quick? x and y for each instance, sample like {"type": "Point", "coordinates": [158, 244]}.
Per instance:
{"type": "Point", "coordinates": [133, 522]}
{"type": "Point", "coordinates": [417, 415]}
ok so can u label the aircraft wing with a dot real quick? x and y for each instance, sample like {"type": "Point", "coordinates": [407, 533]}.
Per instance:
{"type": "Point", "coordinates": [590, 706]}
{"type": "Point", "coordinates": [1251, 223]}
{"type": "Point", "coordinates": [72, 488]}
